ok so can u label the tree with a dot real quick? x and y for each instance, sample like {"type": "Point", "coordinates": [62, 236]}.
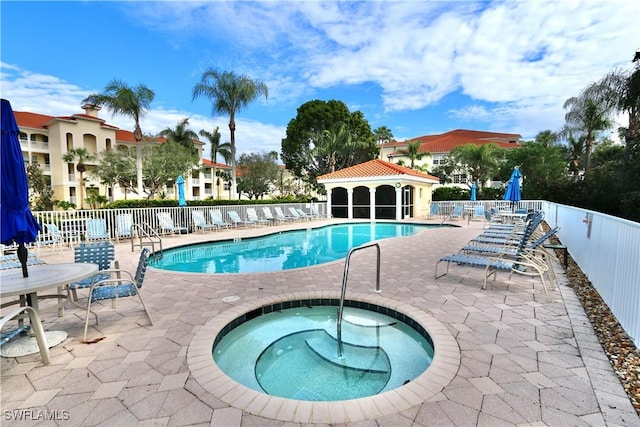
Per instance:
{"type": "Point", "coordinates": [182, 135]}
{"type": "Point", "coordinates": [216, 148]}
{"type": "Point", "coordinates": [259, 173]}
{"type": "Point", "coordinates": [588, 116]}
{"type": "Point", "coordinates": [480, 162]}
{"type": "Point", "coordinates": [308, 131]}
{"type": "Point", "coordinates": [117, 167]}
{"type": "Point", "coordinates": [229, 93]}
{"type": "Point", "coordinates": [163, 163]}
{"type": "Point", "coordinates": [413, 152]}
{"type": "Point", "coordinates": [127, 101]}
{"type": "Point", "coordinates": [540, 164]}
{"type": "Point", "coordinates": [41, 197]}
{"type": "Point", "coordinates": [79, 155]}
{"type": "Point", "coordinates": [547, 138]}
{"type": "Point", "coordinates": [383, 134]}
{"type": "Point", "coordinates": [575, 154]}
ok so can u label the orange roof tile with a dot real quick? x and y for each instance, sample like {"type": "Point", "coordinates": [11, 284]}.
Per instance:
{"type": "Point", "coordinates": [447, 141]}
{"type": "Point", "coordinates": [375, 168]}
{"type": "Point", "coordinates": [209, 163]}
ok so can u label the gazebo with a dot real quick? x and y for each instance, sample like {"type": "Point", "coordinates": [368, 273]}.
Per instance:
{"type": "Point", "coordinates": [378, 190]}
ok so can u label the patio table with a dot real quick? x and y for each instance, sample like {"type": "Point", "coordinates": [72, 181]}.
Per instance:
{"type": "Point", "coordinates": [41, 277]}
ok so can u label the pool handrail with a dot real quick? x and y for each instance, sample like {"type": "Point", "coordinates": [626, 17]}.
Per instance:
{"type": "Point", "coordinates": [344, 288]}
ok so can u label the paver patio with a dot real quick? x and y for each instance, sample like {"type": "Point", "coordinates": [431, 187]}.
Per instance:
{"type": "Point", "coordinates": [523, 360]}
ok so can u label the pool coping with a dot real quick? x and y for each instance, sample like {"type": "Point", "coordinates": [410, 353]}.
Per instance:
{"type": "Point", "coordinates": [443, 368]}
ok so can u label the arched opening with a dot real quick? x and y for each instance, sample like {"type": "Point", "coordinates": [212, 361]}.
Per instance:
{"type": "Point", "coordinates": [339, 203]}
{"type": "Point", "coordinates": [361, 202]}
{"type": "Point", "coordinates": [385, 202]}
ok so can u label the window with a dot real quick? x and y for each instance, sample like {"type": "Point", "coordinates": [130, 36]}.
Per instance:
{"type": "Point", "coordinates": [459, 178]}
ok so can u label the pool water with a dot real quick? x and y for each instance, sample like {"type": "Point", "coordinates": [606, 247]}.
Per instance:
{"type": "Point", "coordinates": [293, 353]}
{"type": "Point", "coordinates": [280, 251]}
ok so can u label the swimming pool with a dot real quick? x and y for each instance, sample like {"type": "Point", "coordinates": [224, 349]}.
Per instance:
{"type": "Point", "coordinates": [281, 251]}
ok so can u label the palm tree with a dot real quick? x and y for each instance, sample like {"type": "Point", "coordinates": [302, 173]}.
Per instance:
{"type": "Point", "coordinates": [589, 116]}
{"type": "Point", "coordinates": [575, 153]}
{"type": "Point", "coordinates": [413, 152]}
{"type": "Point", "coordinates": [217, 148]}
{"type": "Point", "coordinates": [127, 101]}
{"type": "Point", "coordinates": [383, 134]}
{"type": "Point", "coordinates": [182, 135]}
{"type": "Point", "coordinates": [79, 155]}
{"type": "Point", "coordinates": [229, 93]}
{"type": "Point", "coordinates": [479, 161]}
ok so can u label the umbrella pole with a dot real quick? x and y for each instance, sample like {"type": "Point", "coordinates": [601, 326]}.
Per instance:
{"type": "Point", "coordinates": [22, 256]}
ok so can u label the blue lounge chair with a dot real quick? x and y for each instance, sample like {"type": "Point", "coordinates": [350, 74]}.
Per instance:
{"type": "Point", "coordinates": [124, 224]}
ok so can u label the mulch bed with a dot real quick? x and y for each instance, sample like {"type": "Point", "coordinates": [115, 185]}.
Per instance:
{"type": "Point", "coordinates": [620, 349]}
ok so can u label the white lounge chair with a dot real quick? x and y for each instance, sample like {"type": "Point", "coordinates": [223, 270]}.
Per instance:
{"type": "Point", "coordinates": [281, 214]}
{"type": "Point", "coordinates": [200, 223]}
{"type": "Point", "coordinates": [237, 221]}
{"type": "Point", "coordinates": [252, 216]}
{"type": "Point", "coordinates": [167, 226]}
{"type": "Point", "coordinates": [216, 219]}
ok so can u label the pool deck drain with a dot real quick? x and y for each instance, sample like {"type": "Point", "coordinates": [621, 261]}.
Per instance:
{"type": "Point", "coordinates": [523, 360]}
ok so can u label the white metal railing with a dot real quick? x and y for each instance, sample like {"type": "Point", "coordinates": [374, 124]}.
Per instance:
{"type": "Point", "coordinates": [72, 223]}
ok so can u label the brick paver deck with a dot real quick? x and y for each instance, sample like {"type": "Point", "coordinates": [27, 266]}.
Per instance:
{"type": "Point", "coordinates": [522, 360]}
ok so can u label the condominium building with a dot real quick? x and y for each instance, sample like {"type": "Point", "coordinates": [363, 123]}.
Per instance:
{"type": "Point", "coordinates": [437, 148]}
{"type": "Point", "coordinates": [45, 139]}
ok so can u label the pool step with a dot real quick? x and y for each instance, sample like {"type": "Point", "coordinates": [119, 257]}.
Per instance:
{"type": "Point", "coordinates": [355, 357]}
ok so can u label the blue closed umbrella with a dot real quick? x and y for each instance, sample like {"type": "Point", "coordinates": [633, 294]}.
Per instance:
{"type": "Point", "coordinates": [473, 192]}
{"type": "Point", "coordinates": [180, 183]}
{"type": "Point", "coordinates": [17, 222]}
{"type": "Point", "coordinates": [513, 188]}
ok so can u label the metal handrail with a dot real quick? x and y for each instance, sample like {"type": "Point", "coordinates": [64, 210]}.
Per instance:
{"type": "Point", "coordinates": [344, 288]}
{"type": "Point", "coordinates": [146, 235]}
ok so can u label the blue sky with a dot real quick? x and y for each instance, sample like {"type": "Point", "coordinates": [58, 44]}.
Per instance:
{"type": "Point", "coordinates": [417, 67]}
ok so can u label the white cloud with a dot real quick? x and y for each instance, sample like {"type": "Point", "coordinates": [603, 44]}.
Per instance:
{"type": "Point", "coordinates": [49, 95]}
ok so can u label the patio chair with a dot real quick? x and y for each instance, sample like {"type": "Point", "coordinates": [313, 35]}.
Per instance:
{"type": "Point", "coordinates": [315, 213]}
{"type": "Point", "coordinates": [266, 211]}
{"type": "Point", "coordinates": [52, 238]}
{"type": "Point", "coordinates": [119, 284]}
{"type": "Point", "coordinates": [252, 216]}
{"type": "Point", "coordinates": [200, 223]}
{"type": "Point", "coordinates": [167, 226]}
{"type": "Point", "coordinates": [519, 262]}
{"type": "Point", "coordinates": [434, 210]}
{"type": "Point", "coordinates": [100, 253]}
{"type": "Point", "coordinates": [294, 214]}
{"type": "Point", "coordinates": [124, 224]}
{"type": "Point", "coordinates": [457, 212]}
{"type": "Point", "coordinates": [96, 229]}
{"type": "Point", "coordinates": [216, 219]}
{"type": "Point", "coordinates": [237, 221]}
{"type": "Point", "coordinates": [22, 329]}
{"type": "Point", "coordinates": [478, 212]}
{"type": "Point", "coordinates": [281, 214]}
{"type": "Point", "coordinates": [303, 214]}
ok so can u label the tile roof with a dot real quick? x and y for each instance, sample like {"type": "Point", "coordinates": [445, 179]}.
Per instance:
{"type": "Point", "coordinates": [41, 121]}
{"type": "Point", "coordinates": [375, 168]}
{"type": "Point", "coordinates": [209, 163]}
{"type": "Point", "coordinates": [444, 143]}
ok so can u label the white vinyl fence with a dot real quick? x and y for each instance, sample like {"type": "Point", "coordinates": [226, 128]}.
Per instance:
{"type": "Point", "coordinates": [607, 249]}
